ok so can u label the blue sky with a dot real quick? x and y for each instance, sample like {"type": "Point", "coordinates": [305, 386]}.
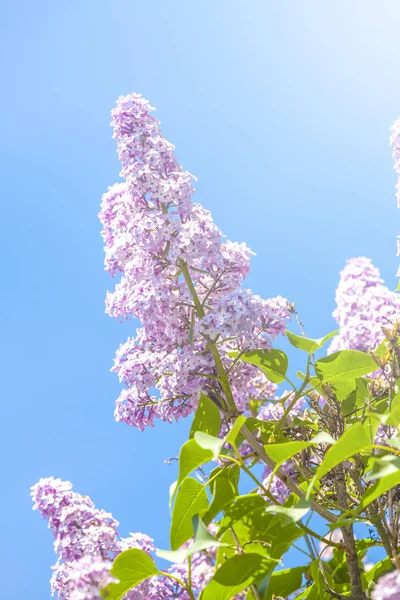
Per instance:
{"type": "Point", "coordinates": [281, 109]}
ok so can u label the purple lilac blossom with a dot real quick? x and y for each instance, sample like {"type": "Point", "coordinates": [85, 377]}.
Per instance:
{"type": "Point", "coordinates": [79, 528]}
{"type": "Point", "coordinates": [274, 485]}
{"type": "Point", "coordinates": [388, 587]}
{"type": "Point", "coordinates": [276, 409]}
{"type": "Point", "coordinates": [88, 577]}
{"type": "Point", "coordinates": [364, 305]}
{"type": "Point", "coordinates": [86, 538]}
{"type": "Point", "coordinates": [87, 541]}
{"type": "Point", "coordinates": [151, 229]}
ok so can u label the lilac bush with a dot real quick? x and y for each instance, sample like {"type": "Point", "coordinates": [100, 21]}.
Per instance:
{"type": "Point", "coordinates": [323, 442]}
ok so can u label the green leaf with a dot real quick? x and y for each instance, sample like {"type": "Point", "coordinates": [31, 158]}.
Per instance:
{"type": "Point", "coordinates": [347, 521]}
{"type": "Point", "coordinates": [355, 439]}
{"type": "Point", "coordinates": [293, 513]}
{"type": "Point", "coordinates": [395, 442]}
{"type": "Point", "coordinates": [234, 431]}
{"type": "Point", "coordinates": [224, 489]}
{"type": "Point", "coordinates": [191, 457]}
{"type": "Point", "coordinates": [281, 536]}
{"type": "Point", "coordinates": [207, 417]}
{"type": "Point", "coordinates": [191, 500]}
{"type": "Point", "coordinates": [308, 344]}
{"type": "Point", "coordinates": [341, 387]}
{"type": "Point", "coordinates": [381, 350]}
{"type": "Point", "coordinates": [380, 487]}
{"type": "Point", "coordinates": [262, 587]}
{"type": "Point", "coordinates": [215, 444]}
{"type": "Point", "coordinates": [273, 363]}
{"type": "Point", "coordinates": [297, 421]}
{"type": "Point", "coordinates": [285, 582]}
{"type": "Point", "coordinates": [382, 567]}
{"type": "Point", "coordinates": [235, 575]}
{"type": "Point", "coordinates": [247, 516]}
{"type": "Point", "coordinates": [371, 424]}
{"type": "Point", "coordinates": [209, 443]}
{"type": "Point", "coordinates": [382, 466]}
{"type": "Point", "coordinates": [131, 567]}
{"type": "Point", "coordinates": [241, 508]}
{"type": "Point", "coordinates": [357, 398]}
{"type": "Point", "coordinates": [261, 533]}
{"type": "Point", "coordinates": [311, 593]}
{"type": "Point", "coordinates": [202, 540]}
{"type": "Point", "coordinates": [394, 415]}
{"type": "Point", "coordinates": [241, 536]}
{"type": "Point", "coordinates": [264, 428]}
{"type": "Point", "coordinates": [320, 582]}
{"type": "Point", "coordinates": [230, 472]}
{"type": "Point", "coordinates": [282, 452]}
{"type": "Point", "coordinates": [172, 489]}
{"type": "Point", "coordinates": [345, 364]}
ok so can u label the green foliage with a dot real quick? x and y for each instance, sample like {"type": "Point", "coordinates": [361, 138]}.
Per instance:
{"type": "Point", "coordinates": [235, 575]}
{"type": "Point", "coordinates": [209, 443]}
{"type": "Point", "coordinates": [381, 568]}
{"type": "Point", "coordinates": [344, 365]}
{"type": "Point", "coordinates": [393, 417]}
{"type": "Point", "coordinates": [273, 363]}
{"type": "Point", "coordinates": [307, 344]}
{"type": "Point", "coordinates": [234, 430]}
{"type": "Point", "coordinates": [383, 465]}
{"type": "Point", "coordinates": [292, 513]}
{"type": "Point", "coordinates": [263, 428]}
{"type": "Point", "coordinates": [202, 541]}
{"type": "Point", "coordinates": [285, 582]}
{"type": "Point", "coordinates": [380, 487]}
{"type": "Point", "coordinates": [207, 417]}
{"type": "Point", "coordinates": [242, 508]}
{"type": "Point", "coordinates": [334, 438]}
{"type": "Point", "coordinates": [191, 457]}
{"type": "Point", "coordinates": [191, 500]}
{"type": "Point", "coordinates": [355, 439]}
{"type": "Point", "coordinates": [354, 403]}
{"type": "Point", "coordinates": [224, 489]}
{"type": "Point", "coordinates": [280, 453]}
{"type": "Point", "coordinates": [131, 567]}
{"type": "Point", "coordinates": [255, 529]}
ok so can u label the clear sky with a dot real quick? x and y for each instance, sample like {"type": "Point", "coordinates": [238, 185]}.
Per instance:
{"type": "Point", "coordinates": [281, 108]}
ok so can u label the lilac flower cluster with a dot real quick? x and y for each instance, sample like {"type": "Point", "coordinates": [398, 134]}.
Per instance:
{"type": "Point", "coordinates": [87, 541]}
{"type": "Point", "coordinates": [164, 588]}
{"type": "Point", "coordinates": [275, 486]}
{"type": "Point", "coordinates": [364, 305]}
{"type": "Point", "coordinates": [179, 277]}
{"type": "Point", "coordinates": [79, 528]}
{"type": "Point", "coordinates": [86, 578]}
{"type": "Point", "coordinates": [86, 538]}
{"type": "Point", "coordinates": [388, 587]}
